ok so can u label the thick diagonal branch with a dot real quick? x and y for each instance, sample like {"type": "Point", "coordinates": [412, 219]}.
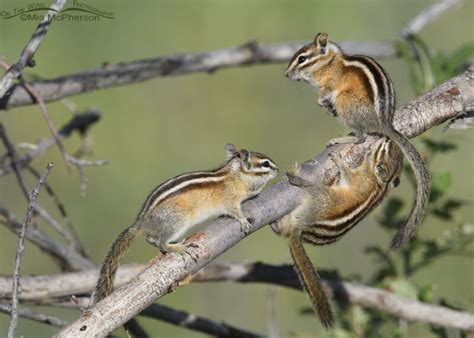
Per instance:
{"type": "Point", "coordinates": [447, 101]}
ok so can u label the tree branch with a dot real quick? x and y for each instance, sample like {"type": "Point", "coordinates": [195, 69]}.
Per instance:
{"type": "Point", "coordinates": [346, 292]}
{"type": "Point", "coordinates": [80, 122]}
{"type": "Point", "coordinates": [21, 247]}
{"type": "Point", "coordinates": [28, 53]}
{"type": "Point", "coordinates": [67, 257]}
{"type": "Point", "coordinates": [196, 323]}
{"type": "Point", "coordinates": [445, 102]}
{"type": "Point", "coordinates": [33, 315]}
{"type": "Point", "coordinates": [119, 74]}
{"type": "Point", "coordinates": [53, 289]}
{"type": "Point", "coordinates": [428, 15]}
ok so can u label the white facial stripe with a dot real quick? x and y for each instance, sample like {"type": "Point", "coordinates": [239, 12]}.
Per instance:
{"type": "Point", "coordinates": [185, 184]}
{"type": "Point", "coordinates": [263, 160]}
{"type": "Point", "coordinates": [371, 78]}
{"type": "Point", "coordinates": [351, 215]}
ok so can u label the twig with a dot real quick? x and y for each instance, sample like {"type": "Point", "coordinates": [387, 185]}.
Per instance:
{"type": "Point", "coordinates": [427, 16]}
{"type": "Point", "coordinates": [28, 53]}
{"type": "Point", "coordinates": [49, 121]}
{"type": "Point", "coordinates": [62, 210]}
{"type": "Point", "coordinates": [67, 258]}
{"type": "Point", "coordinates": [65, 233]}
{"type": "Point", "coordinates": [33, 315]}
{"type": "Point", "coordinates": [13, 159]}
{"type": "Point", "coordinates": [80, 122]}
{"type": "Point", "coordinates": [445, 102]}
{"type": "Point", "coordinates": [21, 247]}
{"type": "Point", "coordinates": [250, 53]}
{"type": "Point", "coordinates": [194, 322]}
{"type": "Point", "coordinates": [272, 321]}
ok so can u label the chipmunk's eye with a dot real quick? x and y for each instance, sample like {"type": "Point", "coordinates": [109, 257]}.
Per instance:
{"type": "Point", "coordinates": [266, 164]}
{"type": "Point", "coordinates": [302, 59]}
{"type": "Point", "coordinates": [379, 168]}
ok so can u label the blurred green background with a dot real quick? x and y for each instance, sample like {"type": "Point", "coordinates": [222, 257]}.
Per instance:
{"type": "Point", "coordinates": [157, 129]}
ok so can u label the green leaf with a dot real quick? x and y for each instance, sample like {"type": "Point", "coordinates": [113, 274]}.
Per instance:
{"type": "Point", "coordinates": [459, 57]}
{"type": "Point", "coordinates": [445, 210]}
{"type": "Point", "coordinates": [440, 184]}
{"type": "Point", "coordinates": [425, 294]}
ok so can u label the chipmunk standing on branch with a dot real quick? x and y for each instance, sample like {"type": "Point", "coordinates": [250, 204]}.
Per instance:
{"type": "Point", "coordinates": [328, 212]}
{"type": "Point", "coordinates": [357, 90]}
{"type": "Point", "coordinates": [180, 203]}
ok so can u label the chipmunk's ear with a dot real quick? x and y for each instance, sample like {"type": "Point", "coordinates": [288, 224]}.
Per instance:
{"type": "Point", "coordinates": [321, 42]}
{"type": "Point", "coordinates": [229, 151]}
{"type": "Point", "coordinates": [245, 157]}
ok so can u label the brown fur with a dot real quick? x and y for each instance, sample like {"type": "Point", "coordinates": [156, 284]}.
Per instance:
{"type": "Point", "coordinates": [182, 202]}
{"type": "Point", "coordinates": [357, 90]}
{"type": "Point", "coordinates": [345, 203]}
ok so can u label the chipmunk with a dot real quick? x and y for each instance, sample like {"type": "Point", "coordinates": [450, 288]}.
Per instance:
{"type": "Point", "coordinates": [357, 90]}
{"type": "Point", "coordinates": [177, 205]}
{"type": "Point", "coordinates": [328, 212]}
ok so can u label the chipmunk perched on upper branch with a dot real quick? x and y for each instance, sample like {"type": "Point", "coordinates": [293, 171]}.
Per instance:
{"type": "Point", "coordinates": [328, 212]}
{"type": "Point", "coordinates": [357, 90]}
{"type": "Point", "coordinates": [177, 205]}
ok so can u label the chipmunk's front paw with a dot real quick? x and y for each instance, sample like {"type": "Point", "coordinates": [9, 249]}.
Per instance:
{"type": "Point", "coordinates": [295, 178]}
{"type": "Point", "coordinates": [294, 170]}
{"type": "Point", "coordinates": [245, 225]}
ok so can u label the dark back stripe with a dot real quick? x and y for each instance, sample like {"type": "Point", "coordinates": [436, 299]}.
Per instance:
{"type": "Point", "coordinates": [319, 233]}
{"type": "Point", "coordinates": [384, 93]}
{"type": "Point", "coordinates": [172, 182]}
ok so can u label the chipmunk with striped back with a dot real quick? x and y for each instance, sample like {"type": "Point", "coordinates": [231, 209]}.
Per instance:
{"type": "Point", "coordinates": [177, 205]}
{"type": "Point", "coordinates": [327, 212]}
{"type": "Point", "coordinates": [357, 90]}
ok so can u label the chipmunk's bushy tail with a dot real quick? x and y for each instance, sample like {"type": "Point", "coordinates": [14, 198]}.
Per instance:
{"type": "Point", "coordinates": [310, 280]}
{"type": "Point", "coordinates": [111, 261]}
{"type": "Point", "coordinates": [409, 229]}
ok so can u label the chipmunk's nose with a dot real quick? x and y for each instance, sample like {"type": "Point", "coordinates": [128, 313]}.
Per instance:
{"type": "Point", "coordinates": [287, 73]}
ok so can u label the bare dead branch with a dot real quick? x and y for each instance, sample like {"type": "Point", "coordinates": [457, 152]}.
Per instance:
{"type": "Point", "coordinates": [272, 326]}
{"type": "Point", "coordinates": [119, 74]}
{"type": "Point", "coordinates": [55, 289]}
{"type": "Point", "coordinates": [49, 121]}
{"type": "Point", "coordinates": [347, 292]}
{"type": "Point", "coordinates": [445, 102]}
{"type": "Point", "coordinates": [28, 53]}
{"type": "Point", "coordinates": [67, 234]}
{"type": "Point", "coordinates": [65, 284]}
{"type": "Point", "coordinates": [21, 247]}
{"type": "Point", "coordinates": [66, 257]}
{"type": "Point", "coordinates": [62, 210]}
{"type": "Point", "coordinates": [194, 322]}
{"type": "Point", "coordinates": [428, 15]}
{"type": "Point", "coordinates": [33, 315]}
{"type": "Point", "coordinates": [80, 122]}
